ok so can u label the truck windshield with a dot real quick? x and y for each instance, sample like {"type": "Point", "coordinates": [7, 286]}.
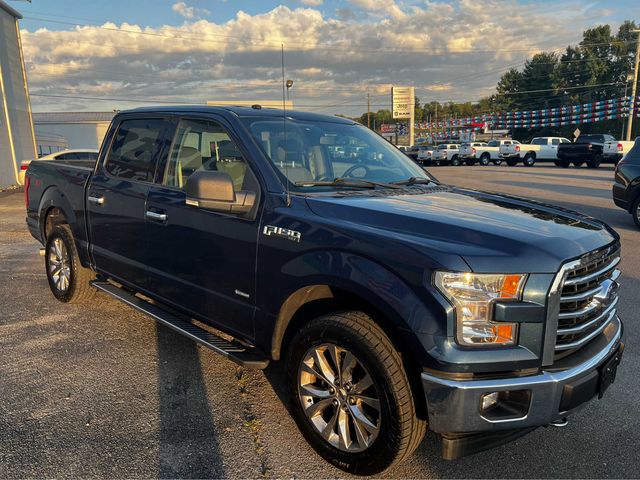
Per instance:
{"type": "Point", "coordinates": [315, 151]}
{"type": "Point", "coordinates": [589, 138]}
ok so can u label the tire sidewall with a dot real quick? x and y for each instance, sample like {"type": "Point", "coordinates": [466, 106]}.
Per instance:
{"type": "Point", "coordinates": [634, 212]}
{"type": "Point", "coordinates": [484, 159]}
{"type": "Point", "coordinates": [61, 233]}
{"type": "Point", "coordinates": [529, 160]}
{"type": "Point", "coordinates": [383, 451]}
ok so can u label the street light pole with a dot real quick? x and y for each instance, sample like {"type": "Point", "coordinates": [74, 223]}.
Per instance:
{"type": "Point", "coordinates": [632, 111]}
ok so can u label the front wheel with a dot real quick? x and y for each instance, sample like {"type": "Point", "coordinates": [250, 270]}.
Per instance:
{"type": "Point", "coordinates": [455, 161]}
{"type": "Point", "coordinates": [68, 279]}
{"type": "Point", "coordinates": [484, 159]}
{"type": "Point", "coordinates": [350, 394]}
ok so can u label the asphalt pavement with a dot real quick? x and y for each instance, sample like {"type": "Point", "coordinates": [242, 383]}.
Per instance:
{"type": "Point", "coordinates": [100, 390]}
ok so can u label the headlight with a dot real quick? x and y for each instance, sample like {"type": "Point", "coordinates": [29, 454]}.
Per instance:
{"type": "Point", "coordinates": [472, 295]}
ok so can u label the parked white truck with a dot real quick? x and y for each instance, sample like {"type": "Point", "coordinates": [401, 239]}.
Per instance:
{"type": "Point", "coordinates": [614, 151]}
{"type": "Point", "coordinates": [447, 153]}
{"type": "Point", "coordinates": [540, 148]}
{"type": "Point", "coordinates": [484, 153]}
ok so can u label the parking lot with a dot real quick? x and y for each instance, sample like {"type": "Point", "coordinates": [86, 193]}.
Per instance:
{"type": "Point", "coordinates": [102, 391]}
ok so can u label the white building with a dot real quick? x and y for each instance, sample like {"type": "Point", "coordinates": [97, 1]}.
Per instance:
{"type": "Point", "coordinates": [81, 129]}
{"type": "Point", "coordinates": [17, 139]}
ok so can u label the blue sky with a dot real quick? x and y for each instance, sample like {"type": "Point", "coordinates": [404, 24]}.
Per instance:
{"type": "Point", "coordinates": [337, 52]}
{"type": "Point", "coordinates": [155, 13]}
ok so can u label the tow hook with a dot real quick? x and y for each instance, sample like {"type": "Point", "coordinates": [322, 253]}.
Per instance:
{"type": "Point", "coordinates": [563, 422]}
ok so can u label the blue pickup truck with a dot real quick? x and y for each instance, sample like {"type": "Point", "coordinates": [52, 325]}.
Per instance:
{"type": "Point", "coordinates": [394, 302]}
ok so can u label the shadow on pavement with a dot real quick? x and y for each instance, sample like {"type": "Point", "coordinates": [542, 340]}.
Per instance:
{"type": "Point", "coordinates": [188, 440]}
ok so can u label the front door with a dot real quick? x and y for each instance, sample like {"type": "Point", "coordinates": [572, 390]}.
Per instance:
{"type": "Point", "coordinates": [201, 260]}
{"type": "Point", "coordinates": [117, 196]}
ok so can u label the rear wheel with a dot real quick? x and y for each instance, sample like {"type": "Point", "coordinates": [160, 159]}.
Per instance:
{"type": "Point", "coordinates": [484, 159]}
{"type": "Point", "coordinates": [68, 279]}
{"type": "Point", "coordinates": [595, 161]}
{"type": "Point", "coordinates": [455, 161]}
{"type": "Point", "coordinates": [512, 162]}
{"type": "Point", "coordinates": [578, 163]}
{"type": "Point", "coordinates": [497, 162]}
{"type": "Point", "coordinates": [470, 161]}
{"type": "Point", "coordinates": [564, 163]}
{"type": "Point", "coordinates": [529, 160]}
{"type": "Point", "coordinates": [635, 211]}
{"type": "Point", "coordinates": [350, 394]}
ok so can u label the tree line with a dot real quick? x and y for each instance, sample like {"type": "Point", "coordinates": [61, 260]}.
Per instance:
{"type": "Point", "coordinates": [595, 69]}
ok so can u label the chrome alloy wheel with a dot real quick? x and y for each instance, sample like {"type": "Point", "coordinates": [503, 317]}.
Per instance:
{"type": "Point", "coordinates": [59, 264]}
{"type": "Point", "coordinates": [339, 397]}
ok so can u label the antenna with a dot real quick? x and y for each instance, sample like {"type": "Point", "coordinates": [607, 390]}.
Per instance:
{"type": "Point", "coordinates": [284, 130]}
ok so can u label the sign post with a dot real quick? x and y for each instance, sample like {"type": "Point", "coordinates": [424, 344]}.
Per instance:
{"type": "Point", "coordinates": [403, 102]}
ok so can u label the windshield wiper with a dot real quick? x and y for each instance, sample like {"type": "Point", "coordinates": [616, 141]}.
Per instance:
{"type": "Point", "coordinates": [345, 182]}
{"type": "Point", "coordinates": [413, 181]}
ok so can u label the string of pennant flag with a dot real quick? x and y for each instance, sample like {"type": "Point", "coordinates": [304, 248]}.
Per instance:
{"type": "Point", "coordinates": [611, 109]}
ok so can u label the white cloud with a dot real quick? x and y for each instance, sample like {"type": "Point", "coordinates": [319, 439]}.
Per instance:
{"type": "Point", "coordinates": [312, 3]}
{"type": "Point", "coordinates": [331, 59]}
{"type": "Point", "coordinates": [188, 12]}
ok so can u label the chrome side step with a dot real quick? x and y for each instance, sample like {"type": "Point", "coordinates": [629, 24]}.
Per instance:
{"type": "Point", "coordinates": [232, 350]}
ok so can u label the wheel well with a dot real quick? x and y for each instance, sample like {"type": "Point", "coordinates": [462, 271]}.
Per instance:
{"type": "Point", "coordinates": [53, 217]}
{"type": "Point", "coordinates": [531, 154]}
{"type": "Point", "coordinates": [325, 300]}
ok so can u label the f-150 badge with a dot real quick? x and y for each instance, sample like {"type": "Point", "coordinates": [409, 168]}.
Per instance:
{"type": "Point", "coordinates": [292, 235]}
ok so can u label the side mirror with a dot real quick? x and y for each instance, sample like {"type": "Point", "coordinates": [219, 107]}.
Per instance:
{"type": "Point", "coordinates": [213, 190]}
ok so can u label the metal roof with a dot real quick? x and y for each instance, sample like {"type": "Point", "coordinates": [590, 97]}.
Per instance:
{"type": "Point", "coordinates": [10, 10]}
{"type": "Point", "coordinates": [72, 117]}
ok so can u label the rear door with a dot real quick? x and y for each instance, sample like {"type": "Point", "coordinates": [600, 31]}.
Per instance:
{"type": "Point", "coordinates": [201, 260]}
{"type": "Point", "coordinates": [117, 195]}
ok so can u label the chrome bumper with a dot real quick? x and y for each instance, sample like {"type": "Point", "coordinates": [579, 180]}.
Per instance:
{"type": "Point", "coordinates": [455, 405]}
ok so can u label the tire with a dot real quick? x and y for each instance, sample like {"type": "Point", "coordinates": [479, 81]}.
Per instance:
{"type": "Point", "coordinates": [455, 161]}
{"type": "Point", "coordinates": [635, 212]}
{"type": "Point", "coordinates": [595, 161]}
{"type": "Point", "coordinates": [563, 163]}
{"type": "Point", "coordinates": [396, 432]}
{"type": "Point", "coordinates": [68, 279]}
{"type": "Point", "coordinates": [470, 162]}
{"type": "Point", "coordinates": [556, 163]}
{"type": "Point", "coordinates": [529, 160]}
{"type": "Point", "coordinates": [497, 162]}
{"type": "Point", "coordinates": [578, 163]}
{"type": "Point", "coordinates": [512, 162]}
{"type": "Point", "coordinates": [484, 159]}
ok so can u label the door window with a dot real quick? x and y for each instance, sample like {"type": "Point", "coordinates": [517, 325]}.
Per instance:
{"type": "Point", "coordinates": [204, 145]}
{"type": "Point", "coordinates": [555, 141]}
{"type": "Point", "coordinates": [135, 148]}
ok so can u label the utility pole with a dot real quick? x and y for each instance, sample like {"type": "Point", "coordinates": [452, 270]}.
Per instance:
{"type": "Point", "coordinates": [436, 142]}
{"type": "Point", "coordinates": [368, 110]}
{"type": "Point", "coordinates": [632, 111]}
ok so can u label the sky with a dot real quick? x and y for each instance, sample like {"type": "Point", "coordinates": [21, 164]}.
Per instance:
{"type": "Point", "coordinates": [116, 54]}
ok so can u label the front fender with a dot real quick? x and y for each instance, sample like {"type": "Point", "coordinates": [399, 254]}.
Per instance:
{"type": "Point", "coordinates": [312, 275]}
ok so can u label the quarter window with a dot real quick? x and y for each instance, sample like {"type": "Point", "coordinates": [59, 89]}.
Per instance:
{"type": "Point", "coordinates": [204, 145]}
{"type": "Point", "coordinates": [135, 148]}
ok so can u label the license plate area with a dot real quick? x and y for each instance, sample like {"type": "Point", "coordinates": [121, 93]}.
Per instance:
{"type": "Point", "coordinates": [608, 372]}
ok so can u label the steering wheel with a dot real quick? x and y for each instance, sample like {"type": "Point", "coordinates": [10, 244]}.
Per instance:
{"type": "Point", "coordinates": [353, 168]}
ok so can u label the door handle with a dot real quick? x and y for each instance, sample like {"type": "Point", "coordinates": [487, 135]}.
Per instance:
{"type": "Point", "coordinates": [97, 199]}
{"type": "Point", "coordinates": [161, 217]}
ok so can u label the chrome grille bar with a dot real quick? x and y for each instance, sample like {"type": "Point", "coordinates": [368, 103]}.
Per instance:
{"type": "Point", "coordinates": [592, 276]}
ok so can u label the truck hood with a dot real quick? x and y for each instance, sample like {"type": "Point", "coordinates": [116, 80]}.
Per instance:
{"type": "Point", "coordinates": [491, 232]}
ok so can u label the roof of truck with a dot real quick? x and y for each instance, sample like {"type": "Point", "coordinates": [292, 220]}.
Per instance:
{"type": "Point", "coordinates": [242, 112]}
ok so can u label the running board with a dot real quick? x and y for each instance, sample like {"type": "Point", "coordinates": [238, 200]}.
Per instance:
{"type": "Point", "coordinates": [232, 350]}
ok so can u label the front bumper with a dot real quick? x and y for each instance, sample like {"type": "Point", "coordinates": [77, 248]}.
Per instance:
{"type": "Point", "coordinates": [455, 405]}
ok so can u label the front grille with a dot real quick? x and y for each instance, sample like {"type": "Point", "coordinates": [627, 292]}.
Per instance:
{"type": "Point", "coordinates": [588, 299]}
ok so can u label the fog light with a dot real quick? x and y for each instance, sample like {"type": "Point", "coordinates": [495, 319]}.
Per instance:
{"type": "Point", "coordinates": [505, 405]}
{"type": "Point", "coordinates": [489, 400]}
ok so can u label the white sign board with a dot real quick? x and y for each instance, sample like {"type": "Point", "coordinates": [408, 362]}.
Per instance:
{"type": "Point", "coordinates": [403, 102]}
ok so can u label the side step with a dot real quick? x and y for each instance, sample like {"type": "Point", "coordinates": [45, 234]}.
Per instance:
{"type": "Point", "coordinates": [232, 350]}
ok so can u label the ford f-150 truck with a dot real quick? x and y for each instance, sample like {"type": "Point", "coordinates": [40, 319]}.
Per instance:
{"type": "Point", "coordinates": [395, 302]}
{"type": "Point", "coordinates": [586, 148]}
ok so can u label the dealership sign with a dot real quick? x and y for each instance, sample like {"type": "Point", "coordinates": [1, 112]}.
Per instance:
{"type": "Point", "coordinates": [403, 102]}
